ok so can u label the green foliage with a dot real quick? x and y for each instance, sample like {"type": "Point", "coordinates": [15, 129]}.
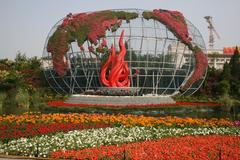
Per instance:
{"type": "Point", "coordinates": [20, 61]}
{"type": "Point", "coordinates": [10, 80]}
{"type": "Point", "coordinates": [235, 88]}
{"type": "Point", "coordinates": [22, 85]}
{"type": "Point", "coordinates": [23, 72]}
{"type": "Point", "coordinates": [223, 87]}
{"type": "Point", "coordinates": [210, 83]}
{"type": "Point", "coordinates": [226, 73]}
{"type": "Point", "coordinates": [224, 82]}
{"type": "Point", "coordinates": [2, 97]}
{"type": "Point", "coordinates": [227, 102]}
{"type": "Point", "coordinates": [125, 15]}
{"type": "Point", "coordinates": [195, 98]}
{"type": "Point", "coordinates": [235, 63]}
{"type": "Point", "coordinates": [235, 74]}
{"type": "Point", "coordinates": [36, 101]}
{"type": "Point", "coordinates": [80, 31]}
{"type": "Point", "coordinates": [22, 98]}
{"type": "Point", "coordinates": [10, 104]}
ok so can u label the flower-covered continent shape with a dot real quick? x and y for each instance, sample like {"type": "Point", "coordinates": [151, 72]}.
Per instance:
{"type": "Point", "coordinates": [82, 27]}
{"type": "Point", "coordinates": [92, 26]}
{"type": "Point", "coordinates": [176, 23]}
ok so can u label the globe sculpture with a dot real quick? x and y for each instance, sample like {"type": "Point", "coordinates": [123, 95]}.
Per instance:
{"type": "Point", "coordinates": [127, 51]}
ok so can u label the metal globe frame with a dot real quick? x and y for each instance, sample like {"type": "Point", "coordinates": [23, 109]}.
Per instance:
{"type": "Point", "coordinates": [164, 63]}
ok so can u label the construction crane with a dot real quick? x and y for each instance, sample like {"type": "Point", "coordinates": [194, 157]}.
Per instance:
{"type": "Point", "coordinates": [212, 32]}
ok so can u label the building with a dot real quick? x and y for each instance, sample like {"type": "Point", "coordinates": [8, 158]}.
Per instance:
{"type": "Point", "coordinates": [217, 58]}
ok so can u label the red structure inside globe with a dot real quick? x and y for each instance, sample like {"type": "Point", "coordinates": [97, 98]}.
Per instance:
{"type": "Point", "coordinates": [117, 68]}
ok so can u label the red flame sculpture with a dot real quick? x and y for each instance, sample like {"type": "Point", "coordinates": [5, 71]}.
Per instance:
{"type": "Point", "coordinates": [119, 71]}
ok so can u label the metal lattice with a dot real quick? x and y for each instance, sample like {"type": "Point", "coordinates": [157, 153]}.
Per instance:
{"type": "Point", "coordinates": [164, 63]}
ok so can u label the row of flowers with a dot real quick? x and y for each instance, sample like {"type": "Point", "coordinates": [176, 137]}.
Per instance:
{"type": "Point", "coordinates": [62, 103]}
{"type": "Point", "coordinates": [126, 120]}
{"type": "Point", "coordinates": [29, 130]}
{"type": "Point", "coordinates": [79, 139]}
{"type": "Point", "coordinates": [189, 147]}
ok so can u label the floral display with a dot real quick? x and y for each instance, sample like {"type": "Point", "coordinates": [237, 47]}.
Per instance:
{"type": "Point", "coordinates": [30, 130]}
{"type": "Point", "coordinates": [42, 135]}
{"type": "Point", "coordinates": [174, 21]}
{"type": "Point", "coordinates": [22, 72]}
{"type": "Point", "coordinates": [80, 139]}
{"type": "Point", "coordinates": [201, 64]}
{"type": "Point", "coordinates": [237, 123]}
{"type": "Point", "coordinates": [127, 120]}
{"type": "Point", "coordinates": [62, 103]}
{"type": "Point", "coordinates": [189, 147]}
{"type": "Point", "coordinates": [29, 125]}
{"type": "Point", "coordinates": [82, 27]}
{"type": "Point", "coordinates": [112, 136]}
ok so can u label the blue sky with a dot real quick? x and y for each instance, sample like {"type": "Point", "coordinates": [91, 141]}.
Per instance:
{"type": "Point", "coordinates": [25, 24]}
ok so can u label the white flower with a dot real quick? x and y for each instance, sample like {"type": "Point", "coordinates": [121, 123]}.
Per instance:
{"type": "Point", "coordinates": [96, 137]}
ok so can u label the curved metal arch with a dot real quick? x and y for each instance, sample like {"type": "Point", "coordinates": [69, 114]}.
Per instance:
{"type": "Point", "coordinates": [48, 55]}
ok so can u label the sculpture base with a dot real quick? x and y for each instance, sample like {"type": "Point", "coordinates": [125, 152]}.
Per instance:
{"type": "Point", "coordinates": [119, 100]}
{"type": "Point", "coordinates": [114, 91]}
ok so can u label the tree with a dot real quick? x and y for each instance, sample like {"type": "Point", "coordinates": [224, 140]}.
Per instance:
{"type": "Point", "coordinates": [235, 64]}
{"type": "Point", "coordinates": [235, 73]}
{"type": "Point", "coordinates": [20, 61]}
{"type": "Point", "coordinates": [223, 88]}
{"type": "Point", "coordinates": [226, 73]}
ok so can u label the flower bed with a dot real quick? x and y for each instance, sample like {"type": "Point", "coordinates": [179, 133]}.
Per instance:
{"type": "Point", "coordinates": [30, 130]}
{"type": "Point", "coordinates": [189, 147]}
{"type": "Point", "coordinates": [62, 103]}
{"type": "Point", "coordinates": [29, 125]}
{"type": "Point", "coordinates": [73, 140]}
{"type": "Point", "coordinates": [127, 120]}
{"type": "Point", "coordinates": [59, 134]}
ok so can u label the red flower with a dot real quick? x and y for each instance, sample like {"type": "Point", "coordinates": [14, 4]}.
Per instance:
{"type": "Point", "coordinates": [91, 49]}
{"type": "Point", "coordinates": [83, 26]}
{"type": "Point", "coordinates": [174, 21]}
{"type": "Point", "coordinates": [81, 48]}
{"type": "Point", "coordinates": [62, 103]}
{"type": "Point", "coordinates": [30, 130]}
{"type": "Point", "coordinates": [199, 71]}
{"type": "Point", "coordinates": [189, 147]}
{"type": "Point", "coordinates": [104, 42]}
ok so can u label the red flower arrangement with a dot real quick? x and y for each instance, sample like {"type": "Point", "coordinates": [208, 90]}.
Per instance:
{"type": "Point", "coordinates": [62, 103]}
{"type": "Point", "coordinates": [200, 68]}
{"type": "Point", "coordinates": [30, 130]}
{"type": "Point", "coordinates": [173, 20]}
{"type": "Point", "coordinates": [189, 147]}
{"type": "Point", "coordinates": [82, 27]}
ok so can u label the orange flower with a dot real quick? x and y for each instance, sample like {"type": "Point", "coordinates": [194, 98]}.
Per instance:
{"type": "Point", "coordinates": [127, 120]}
